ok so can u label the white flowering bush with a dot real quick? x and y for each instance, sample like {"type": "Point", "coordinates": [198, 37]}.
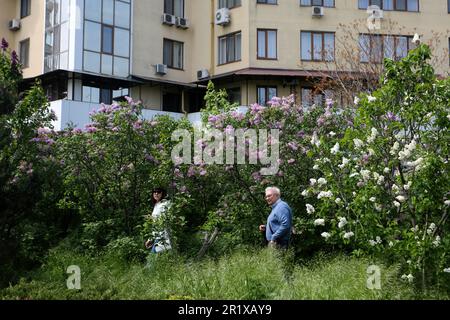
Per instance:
{"type": "Point", "coordinates": [387, 189]}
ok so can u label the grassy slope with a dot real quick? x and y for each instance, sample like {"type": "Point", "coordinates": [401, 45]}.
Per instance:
{"type": "Point", "coordinates": [261, 274]}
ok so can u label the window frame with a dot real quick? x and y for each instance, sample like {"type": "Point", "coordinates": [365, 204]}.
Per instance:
{"type": "Point", "coordinates": [25, 8]}
{"type": "Point", "coordinates": [230, 7]}
{"type": "Point", "coordinates": [266, 93]}
{"type": "Point", "coordinates": [383, 49]}
{"type": "Point", "coordinates": [266, 2]}
{"type": "Point", "coordinates": [323, 53]}
{"type": "Point", "coordinates": [226, 36]}
{"type": "Point", "coordinates": [27, 51]}
{"type": "Point", "coordinates": [266, 47]}
{"type": "Point", "coordinates": [173, 8]}
{"type": "Point", "coordinates": [394, 6]}
{"type": "Point", "coordinates": [321, 5]}
{"type": "Point", "coordinates": [172, 54]}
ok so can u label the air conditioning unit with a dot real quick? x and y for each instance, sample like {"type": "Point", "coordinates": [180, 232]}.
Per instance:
{"type": "Point", "coordinates": [161, 69]}
{"type": "Point", "coordinates": [14, 24]}
{"type": "Point", "coordinates": [222, 16]}
{"type": "Point", "coordinates": [182, 23]}
{"type": "Point", "coordinates": [317, 11]}
{"type": "Point", "coordinates": [202, 74]}
{"type": "Point", "coordinates": [168, 19]}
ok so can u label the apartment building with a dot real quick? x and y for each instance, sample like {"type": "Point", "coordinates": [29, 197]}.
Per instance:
{"type": "Point", "coordinates": [164, 52]}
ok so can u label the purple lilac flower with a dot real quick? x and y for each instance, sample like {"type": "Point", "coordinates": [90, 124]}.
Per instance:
{"type": "Point", "coordinates": [4, 44]}
{"type": "Point", "coordinates": [203, 172]}
{"type": "Point", "coordinates": [391, 116]}
{"type": "Point", "coordinates": [293, 145]}
{"type": "Point", "coordinates": [291, 161]}
{"type": "Point", "coordinates": [329, 102]}
{"type": "Point", "coordinates": [191, 171]}
{"type": "Point", "coordinates": [14, 58]}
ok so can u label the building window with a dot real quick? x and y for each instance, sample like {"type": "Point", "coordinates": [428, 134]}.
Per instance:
{"type": "Point", "coordinates": [267, 44]}
{"type": "Point", "coordinates": [322, 3]}
{"type": "Point", "coordinates": [397, 5]}
{"type": "Point", "coordinates": [24, 53]}
{"type": "Point", "coordinates": [310, 97]}
{"type": "Point", "coordinates": [174, 7]}
{"type": "Point", "coordinates": [448, 6]}
{"type": "Point", "coordinates": [25, 8]}
{"type": "Point", "coordinates": [171, 102]}
{"type": "Point", "coordinates": [317, 46]}
{"type": "Point", "coordinates": [265, 94]}
{"type": "Point", "coordinates": [267, 1]}
{"type": "Point", "coordinates": [229, 3]}
{"type": "Point", "coordinates": [373, 48]}
{"type": "Point", "coordinates": [107, 39]}
{"type": "Point", "coordinates": [234, 95]}
{"type": "Point", "coordinates": [173, 54]}
{"type": "Point", "coordinates": [230, 48]}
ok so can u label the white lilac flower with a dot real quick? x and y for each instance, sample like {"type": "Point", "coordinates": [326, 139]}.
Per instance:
{"type": "Point", "coordinates": [316, 167]}
{"type": "Point", "coordinates": [348, 235]}
{"type": "Point", "coordinates": [402, 155]}
{"type": "Point", "coordinates": [373, 135]}
{"type": "Point", "coordinates": [416, 39]}
{"type": "Point", "coordinates": [338, 200]}
{"type": "Point", "coordinates": [305, 193]}
{"type": "Point", "coordinates": [356, 101]}
{"type": "Point", "coordinates": [397, 204]}
{"type": "Point", "coordinates": [447, 202]}
{"type": "Point", "coordinates": [391, 244]}
{"type": "Point", "coordinates": [371, 99]}
{"type": "Point", "coordinates": [325, 194]}
{"type": "Point", "coordinates": [373, 199]}
{"type": "Point", "coordinates": [387, 170]}
{"type": "Point", "coordinates": [315, 140]}
{"type": "Point", "coordinates": [354, 174]}
{"type": "Point", "coordinates": [325, 235]}
{"type": "Point", "coordinates": [378, 239]}
{"type": "Point", "coordinates": [431, 228]}
{"type": "Point", "coordinates": [365, 174]}
{"type": "Point", "coordinates": [354, 193]}
{"type": "Point", "coordinates": [415, 229]}
{"type": "Point", "coordinates": [407, 186]}
{"type": "Point", "coordinates": [378, 207]}
{"type": "Point", "coordinates": [336, 148]}
{"type": "Point", "coordinates": [372, 243]}
{"type": "Point", "coordinates": [437, 241]}
{"type": "Point", "coordinates": [415, 164]}
{"type": "Point", "coordinates": [310, 209]}
{"type": "Point", "coordinates": [408, 261]}
{"type": "Point", "coordinates": [358, 143]}
{"type": "Point", "coordinates": [319, 222]}
{"type": "Point", "coordinates": [322, 181]}
{"type": "Point", "coordinates": [342, 222]}
{"type": "Point", "coordinates": [395, 189]}
{"type": "Point", "coordinates": [400, 199]}
{"type": "Point", "coordinates": [380, 180]}
{"type": "Point", "coordinates": [395, 148]}
{"type": "Point", "coordinates": [313, 181]}
{"type": "Point", "coordinates": [447, 270]}
{"type": "Point", "coordinates": [410, 277]}
{"type": "Point", "coordinates": [404, 277]}
{"type": "Point", "coordinates": [371, 151]}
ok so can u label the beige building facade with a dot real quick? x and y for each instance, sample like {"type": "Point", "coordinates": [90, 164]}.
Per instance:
{"type": "Point", "coordinates": [164, 52]}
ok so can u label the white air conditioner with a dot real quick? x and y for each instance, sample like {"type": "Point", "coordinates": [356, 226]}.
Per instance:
{"type": "Point", "coordinates": [14, 24]}
{"type": "Point", "coordinates": [182, 23]}
{"type": "Point", "coordinates": [202, 74]}
{"type": "Point", "coordinates": [222, 16]}
{"type": "Point", "coordinates": [161, 69]}
{"type": "Point", "coordinates": [168, 19]}
{"type": "Point", "coordinates": [317, 11]}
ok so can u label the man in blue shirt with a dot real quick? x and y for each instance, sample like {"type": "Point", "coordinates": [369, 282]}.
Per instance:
{"type": "Point", "coordinates": [279, 222]}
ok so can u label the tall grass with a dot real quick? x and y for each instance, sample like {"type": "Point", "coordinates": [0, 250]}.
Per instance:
{"type": "Point", "coordinates": [247, 274]}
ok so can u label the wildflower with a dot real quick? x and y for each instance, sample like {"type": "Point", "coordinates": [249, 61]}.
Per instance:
{"type": "Point", "coordinates": [342, 222]}
{"type": "Point", "coordinates": [335, 149]}
{"type": "Point", "coordinates": [325, 235]}
{"type": "Point", "coordinates": [310, 209]}
{"type": "Point", "coordinates": [319, 222]}
{"type": "Point", "coordinates": [348, 235]}
{"type": "Point", "coordinates": [371, 99]}
{"type": "Point", "coordinates": [322, 181]}
{"type": "Point", "coordinates": [325, 194]}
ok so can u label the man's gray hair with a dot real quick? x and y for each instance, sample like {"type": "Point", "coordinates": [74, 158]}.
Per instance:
{"type": "Point", "coordinates": [275, 190]}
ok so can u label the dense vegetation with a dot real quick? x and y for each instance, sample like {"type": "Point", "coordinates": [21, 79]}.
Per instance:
{"type": "Point", "coordinates": [367, 183]}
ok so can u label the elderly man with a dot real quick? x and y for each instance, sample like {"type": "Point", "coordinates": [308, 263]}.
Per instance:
{"type": "Point", "coordinates": [279, 222]}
